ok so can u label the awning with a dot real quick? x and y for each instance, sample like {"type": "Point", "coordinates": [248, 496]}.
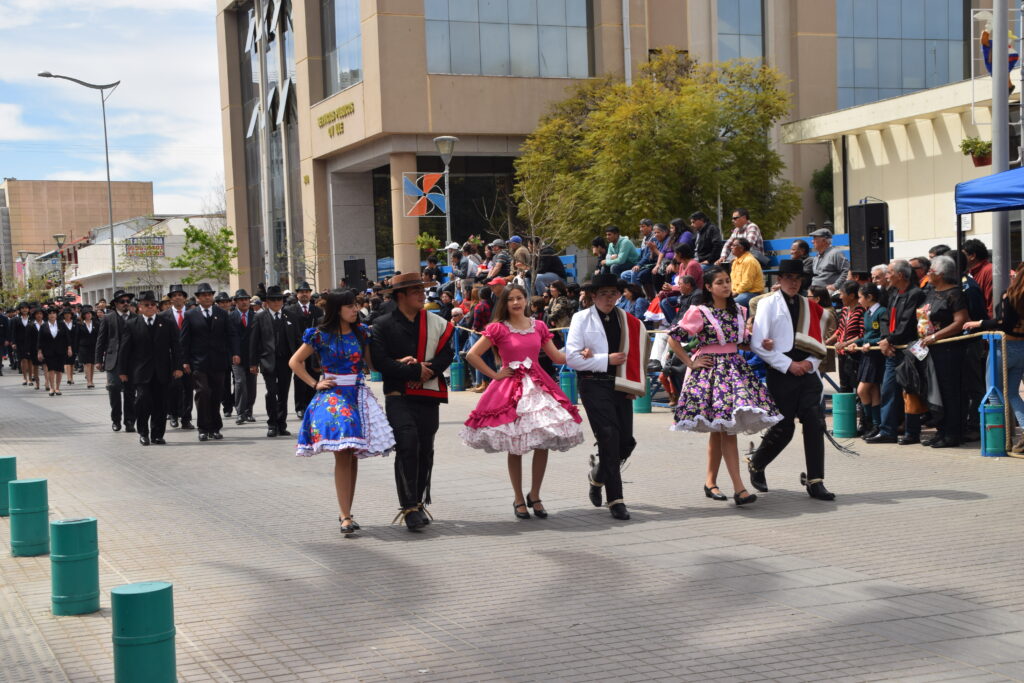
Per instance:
{"type": "Point", "coordinates": [997, 192]}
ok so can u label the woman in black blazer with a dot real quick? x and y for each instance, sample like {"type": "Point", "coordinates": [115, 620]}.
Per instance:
{"type": "Point", "coordinates": [32, 343]}
{"type": "Point", "coordinates": [67, 323]}
{"type": "Point", "coordinates": [54, 350]}
{"type": "Point", "coordinates": [88, 330]}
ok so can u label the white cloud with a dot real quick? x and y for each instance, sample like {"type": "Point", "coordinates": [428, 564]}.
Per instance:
{"type": "Point", "coordinates": [13, 128]}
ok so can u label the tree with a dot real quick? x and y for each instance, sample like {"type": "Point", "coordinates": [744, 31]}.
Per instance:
{"type": "Point", "coordinates": [822, 185]}
{"type": "Point", "coordinates": [662, 147]}
{"type": "Point", "coordinates": [209, 253]}
{"type": "Point", "coordinates": [36, 288]}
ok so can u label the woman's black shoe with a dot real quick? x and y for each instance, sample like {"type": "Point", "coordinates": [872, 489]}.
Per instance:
{"type": "Point", "coordinates": [542, 513]}
{"type": "Point", "coordinates": [743, 500]}
{"type": "Point", "coordinates": [520, 515]}
{"type": "Point", "coordinates": [347, 528]}
{"type": "Point", "coordinates": [710, 493]}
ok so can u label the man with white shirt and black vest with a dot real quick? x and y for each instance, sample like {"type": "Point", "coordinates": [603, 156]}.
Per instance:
{"type": "Point", "coordinates": [272, 342]}
{"type": "Point", "coordinates": [305, 314]}
{"type": "Point", "coordinates": [109, 343]}
{"type": "Point", "coordinates": [179, 391]}
{"type": "Point", "coordinates": [209, 346]}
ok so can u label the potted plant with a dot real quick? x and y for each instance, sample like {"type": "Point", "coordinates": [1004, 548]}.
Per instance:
{"type": "Point", "coordinates": [979, 150]}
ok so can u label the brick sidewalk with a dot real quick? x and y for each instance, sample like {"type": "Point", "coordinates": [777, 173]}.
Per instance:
{"type": "Point", "coordinates": [914, 573]}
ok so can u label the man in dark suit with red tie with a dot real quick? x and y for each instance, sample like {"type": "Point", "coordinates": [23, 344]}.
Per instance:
{"type": "Point", "coordinates": [209, 346]}
{"type": "Point", "coordinates": [179, 391]}
{"type": "Point", "coordinates": [272, 342]}
{"type": "Point", "coordinates": [306, 314]}
{"type": "Point", "coordinates": [244, 381]}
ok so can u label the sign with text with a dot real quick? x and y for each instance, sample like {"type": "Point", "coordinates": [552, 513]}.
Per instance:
{"type": "Point", "coordinates": [144, 246]}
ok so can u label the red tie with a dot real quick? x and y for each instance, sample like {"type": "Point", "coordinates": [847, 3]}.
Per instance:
{"type": "Point", "coordinates": [244, 323]}
{"type": "Point", "coordinates": [179, 319]}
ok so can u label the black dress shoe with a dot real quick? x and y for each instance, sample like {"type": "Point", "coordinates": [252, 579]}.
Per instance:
{"type": "Point", "coordinates": [116, 426]}
{"type": "Point", "coordinates": [943, 442]}
{"type": "Point", "coordinates": [281, 431]}
{"type": "Point", "coordinates": [595, 496]}
{"type": "Point", "coordinates": [817, 490]}
{"type": "Point", "coordinates": [174, 422]}
{"type": "Point", "coordinates": [227, 412]}
{"type": "Point", "coordinates": [158, 441]}
{"type": "Point", "coordinates": [909, 440]}
{"type": "Point", "coordinates": [203, 436]}
{"type": "Point", "coordinates": [129, 428]}
{"type": "Point", "coordinates": [532, 504]}
{"type": "Point", "coordinates": [710, 493]}
{"type": "Point", "coordinates": [413, 519]}
{"type": "Point", "coordinates": [271, 433]}
{"type": "Point", "coordinates": [424, 515]}
{"type": "Point", "coordinates": [880, 438]}
{"type": "Point", "coordinates": [619, 511]}
{"type": "Point", "coordinates": [240, 420]}
{"type": "Point", "coordinates": [757, 478]}
{"type": "Point", "coordinates": [143, 439]}
{"type": "Point", "coordinates": [217, 436]}
{"type": "Point", "coordinates": [744, 500]}
{"type": "Point", "coordinates": [187, 424]}
{"type": "Point", "coordinates": [250, 418]}
{"type": "Point", "coordinates": [525, 514]}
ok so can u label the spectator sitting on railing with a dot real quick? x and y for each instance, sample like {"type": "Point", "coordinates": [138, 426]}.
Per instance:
{"type": "Point", "coordinates": [708, 237]}
{"type": "Point", "coordinates": [747, 277]}
{"type": "Point", "coordinates": [641, 272]}
{"type": "Point", "coordinates": [1010, 320]}
{"type": "Point", "coordinates": [549, 269]}
{"type": "Point", "coordinates": [622, 254]}
{"type": "Point", "coordinates": [501, 262]}
{"type": "Point", "coordinates": [598, 247]}
{"type": "Point", "coordinates": [747, 229]}
{"type": "Point", "coordinates": [829, 265]}
{"type": "Point", "coordinates": [801, 251]}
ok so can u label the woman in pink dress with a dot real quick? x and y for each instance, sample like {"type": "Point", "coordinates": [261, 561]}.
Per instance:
{"type": "Point", "coordinates": [522, 409]}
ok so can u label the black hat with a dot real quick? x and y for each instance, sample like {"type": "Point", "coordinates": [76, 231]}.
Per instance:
{"type": "Point", "coordinates": [221, 297]}
{"type": "Point", "coordinates": [148, 295]}
{"type": "Point", "coordinates": [274, 293]}
{"type": "Point", "coordinates": [66, 309]}
{"type": "Point", "coordinates": [241, 294]}
{"type": "Point", "coordinates": [177, 289]}
{"type": "Point", "coordinates": [604, 280]}
{"type": "Point", "coordinates": [303, 287]}
{"type": "Point", "coordinates": [120, 293]}
{"type": "Point", "coordinates": [88, 309]}
{"type": "Point", "coordinates": [791, 266]}
{"type": "Point", "coordinates": [23, 304]}
{"type": "Point", "coordinates": [204, 288]}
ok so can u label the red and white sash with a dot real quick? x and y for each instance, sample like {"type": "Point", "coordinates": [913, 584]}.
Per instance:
{"type": "Point", "coordinates": [809, 335]}
{"type": "Point", "coordinates": [631, 376]}
{"type": "Point", "coordinates": [434, 334]}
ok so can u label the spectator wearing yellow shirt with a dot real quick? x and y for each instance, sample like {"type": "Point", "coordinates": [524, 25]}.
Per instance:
{"type": "Point", "coordinates": [746, 274]}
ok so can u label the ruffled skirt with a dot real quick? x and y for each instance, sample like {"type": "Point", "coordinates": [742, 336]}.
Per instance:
{"type": "Point", "coordinates": [343, 418]}
{"type": "Point", "coordinates": [727, 397]}
{"type": "Point", "coordinates": [541, 422]}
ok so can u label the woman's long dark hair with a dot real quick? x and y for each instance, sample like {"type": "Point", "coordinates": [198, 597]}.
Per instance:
{"type": "Point", "coordinates": [333, 301]}
{"type": "Point", "coordinates": [501, 308]}
{"type": "Point", "coordinates": [707, 299]}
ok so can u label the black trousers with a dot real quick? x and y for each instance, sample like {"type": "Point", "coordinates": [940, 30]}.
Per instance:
{"type": "Point", "coordinates": [120, 394]}
{"type": "Point", "coordinates": [414, 423]}
{"type": "Point", "coordinates": [278, 383]}
{"type": "Point", "coordinates": [795, 397]}
{"type": "Point", "coordinates": [151, 409]}
{"type": "Point", "coordinates": [972, 378]}
{"type": "Point", "coordinates": [303, 392]}
{"type": "Point", "coordinates": [611, 418]}
{"type": "Point", "coordinates": [208, 386]}
{"type": "Point", "coordinates": [179, 398]}
{"type": "Point", "coordinates": [244, 390]}
{"type": "Point", "coordinates": [948, 360]}
{"type": "Point", "coordinates": [849, 367]}
{"type": "Point", "coordinates": [227, 396]}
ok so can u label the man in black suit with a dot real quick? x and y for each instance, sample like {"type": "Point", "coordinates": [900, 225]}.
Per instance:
{"type": "Point", "coordinates": [242, 319]}
{"type": "Point", "coordinates": [149, 360]}
{"type": "Point", "coordinates": [209, 345]}
{"type": "Point", "coordinates": [227, 394]}
{"type": "Point", "coordinates": [306, 314]}
{"type": "Point", "coordinates": [179, 391]}
{"type": "Point", "coordinates": [109, 342]}
{"type": "Point", "coordinates": [274, 338]}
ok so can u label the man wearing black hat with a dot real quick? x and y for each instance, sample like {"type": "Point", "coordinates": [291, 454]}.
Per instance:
{"type": "Point", "coordinates": [149, 360]}
{"type": "Point", "coordinates": [609, 350]}
{"type": "Point", "coordinates": [794, 324]}
{"type": "Point", "coordinates": [243, 380]}
{"type": "Point", "coordinates": [272, 342]}
{"type": "Point", "coordinates": [306, 315]}
{"type": "Point", "coordinates": [227, 394]}
{"type": "Point", "coordinates": [209, 345]}
{"type": "Point", "coordinates": [109, 342]}
{"type": "Point", "coordinates": [179, 391]}
{"type": "Point", "coordinates": [411, 348]}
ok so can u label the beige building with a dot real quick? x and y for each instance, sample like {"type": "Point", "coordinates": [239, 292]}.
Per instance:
{"type": "Point", "coordinates": [32, 211]}
{"type": "Point", "coordinates": [326, 107]}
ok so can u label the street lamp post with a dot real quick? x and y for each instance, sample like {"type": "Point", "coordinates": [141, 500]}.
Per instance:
{"type": "Point", "coordinates": [59, 239]}
{"type": "Point", "coordinates": [23, 255]}
{"type": "Point", "coordinates": [106, 153]}
{"type": "Point", "coordinates": [446, 148]}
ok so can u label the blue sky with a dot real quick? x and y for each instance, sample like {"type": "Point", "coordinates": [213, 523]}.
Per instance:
{"type": "Point", "coordinates": [163, 120]}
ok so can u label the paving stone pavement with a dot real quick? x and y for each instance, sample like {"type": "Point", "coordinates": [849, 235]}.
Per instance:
{"type": "Point", "coordinates": [913, 573]}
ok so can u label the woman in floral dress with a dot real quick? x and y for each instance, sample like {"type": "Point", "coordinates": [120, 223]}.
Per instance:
{"type": "Point", "coordinates": [720, 395]}
{"type": "Point", "coordinates": [343, 417]}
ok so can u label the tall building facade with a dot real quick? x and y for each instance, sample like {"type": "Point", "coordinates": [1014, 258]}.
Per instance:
{"type": "Point", "coordinates": [327, 103]}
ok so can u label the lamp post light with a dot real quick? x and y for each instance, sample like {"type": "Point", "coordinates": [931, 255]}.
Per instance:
{"type": "Point", "coordinates": [446, 148]}
{"type": "Point", "coordinates": [59, 238]}
{"type": "Point", "coordinates": [106, 153]}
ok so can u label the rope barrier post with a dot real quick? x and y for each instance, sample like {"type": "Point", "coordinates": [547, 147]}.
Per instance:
{"type": "Point", "coordinates": [993, 408]}
{"type": "Point", "coordinates": [30, 535]}
{"type": "Point", "coordinates": [74, 567]}
{"type": "Point", "coordinates": [844, 416]}
{"type": "Point", "coordinates": [8, 473]}
{"type": "Point", "coordinates": [642, 404]}
{"type": "Point", "coordinates": [143, 620]}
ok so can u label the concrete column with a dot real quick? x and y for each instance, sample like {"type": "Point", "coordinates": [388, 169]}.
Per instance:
{"type": "Point", "coordinates": [404, 230]}
{"type": "Point", "coordinates": [352, 222]}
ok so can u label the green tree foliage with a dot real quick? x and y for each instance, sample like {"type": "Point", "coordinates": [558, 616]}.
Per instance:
{"type": "Point", "coordinates": [209, 254]}
{"type": "Point", "coordinates": [38, 288]}
{"type": "Point", "coordinates": [821, 183]}
{"type": "Point", "coordinates": [663, 147]}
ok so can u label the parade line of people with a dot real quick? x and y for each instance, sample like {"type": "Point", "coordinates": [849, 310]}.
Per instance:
{"type": "Point", "coordinates": [158, 354]}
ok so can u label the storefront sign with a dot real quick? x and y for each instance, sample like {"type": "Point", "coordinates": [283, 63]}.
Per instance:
{"type": "Point", "coordinates": [332, 119]}
{"type": "Point", "coordinates": [144, 246]}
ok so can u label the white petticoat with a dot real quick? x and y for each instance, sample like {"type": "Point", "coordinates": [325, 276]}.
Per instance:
{"type": "Point", "coordinates": [542, 424]}
{"type": "Point", "coordinates": [377, 439]}
{"type": "Point", "coordinates": [745, 420]}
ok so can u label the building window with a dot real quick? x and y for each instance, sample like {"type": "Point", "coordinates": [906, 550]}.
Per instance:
{"type": "Point", "coordinates": [343, 44]}
{"type": "Point", "coordinates": [531, 38]}
{"type": "Point", "coordinates": [740, 30]}
{"type": "Point", "coordinates": [887, 48]}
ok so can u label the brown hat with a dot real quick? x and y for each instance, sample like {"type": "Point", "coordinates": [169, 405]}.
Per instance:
{"type": "Point", "coordinates": [404, 280]}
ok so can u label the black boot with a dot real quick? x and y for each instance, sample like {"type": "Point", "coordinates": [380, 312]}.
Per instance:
{"type": "Point", "coordinates": [618, 510]}
{"type": "Point", "coordinates": [757, 478]}
{"type": "Point", "coordinates": [816, 488]}
{"type": "Point", "coordinates": [595, 488]}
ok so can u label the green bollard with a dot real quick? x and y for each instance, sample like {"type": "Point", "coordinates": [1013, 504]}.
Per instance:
{"type": "Point", "coordinates": [567, 383]}
{"type": "Point", "coordinates": [642, 404]}
{"type": "Point", "coordinates": [74, 567]}
{"type": "Point", "coordinates": [993, 435]}
{"type": "Point", "coordinates": [143, 633]}
{"type": "Point", "coordinates": [844, 416]}
{"type": "Point", "coordinates": [8, 472]}
{"type": "Point", "coordinates": [376, 376]}
{"type": "Point", "coordinates": [30, 534]}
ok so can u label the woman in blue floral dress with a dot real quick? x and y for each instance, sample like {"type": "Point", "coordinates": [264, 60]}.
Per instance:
{"type": "Point", "coordinates": [720, 395]}
{"type": "Point", "coordinates": [343, 417]}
